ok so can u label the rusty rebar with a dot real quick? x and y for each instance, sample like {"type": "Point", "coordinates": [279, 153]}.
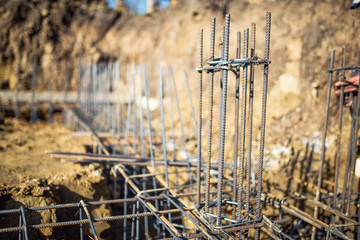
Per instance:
{"type": "Point", "coordinates": [263, 121]}
{"type": "Point", "coordinates": [210, 116]}
{"type": "Point", "coordinates": [223, 120]}
{"type": "Point", "coordinates": [199, 125]}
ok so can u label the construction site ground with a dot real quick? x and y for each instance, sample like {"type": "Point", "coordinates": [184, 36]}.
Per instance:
{"type": "Point", "coordinates": [30, 177]}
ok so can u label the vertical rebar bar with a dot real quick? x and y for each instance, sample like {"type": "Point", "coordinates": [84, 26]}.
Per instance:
{"type": "Point", "coordinates": [65, 84]}
{"type": "Point", "coordinates": [51, 108]}
{"type": "Point", "coordinates": [243, 121]}
{"type": "Point", "coordinates": [128, 117]}
{"type": "Point", "coordinates": [146, 88]}
{"type": "Point", "coordinates": [190, 99]}
{"type": "Point", "coordinates": [263, 121]}
{"type": "Point", "coordinates": [81, 225]}
{"type": "Point", "coordinates": [33, 114]}
{"type": "Point", "coordinates": [251, 110]}
{"type": "Point", "coordinates": [236, 123]}
{"type": "Point", "coordinates": [141, 114]}
{"type": "Point", "coordinates": [17, 106]}
{"type": "Point", "coordinates": [171, 114]}
{"type": "Point", "coordinates": [142, 76]}
{"type": "Point", "coordinates": [113, 112]}
{"type": "Point", "coordinates": [134, 114]}
{"type": "Point", "coordinates": [87, 213]}
{"type": "Point", "coordinates": [118, 93]}
{"type": "Point", "coordinates": [210, 117]}
{"type": "Point", "coordinates": [20, 225]}
{"type": "Point", "coordinates": [350, 162]}
{"type": "Point", "coordinates": [224, 73]}
{"type": "Point", "coordinates": [354, 149]}
{"type": "Point", "coordinates": [163, 126]}
{"type": "Point", "coordinates": [198, 168]}
{"type": "Point", "coordinates": [323, 144]}
{"type": "Point", "coordinates": [79, 80]}
{"type": "Point", "coordinates": [22, 212]}
{"type": "Point", "coordinates": [148, 115]}
{"type": "Point", "coordinates": [126, 191]}
{"type": "Point", "coordinates": [338, 154]}
{"type": "Point", "coordinates": [181, 125]}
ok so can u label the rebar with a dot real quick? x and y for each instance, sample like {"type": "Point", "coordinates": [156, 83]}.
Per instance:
{"type": "Point", "coordinates": [17, 105]}
{"type": "Point", "coordinates": [223, 120]}
{"type": "Point", "coordinates": [243, 122]}
{"type": "Point", "coordinates": [323, 144]}
{"type": "Point", "coordinates": [33, 113]}
{"type": "Point", "coordinates": [210, 117]}
{"type": "Point", "coordinates": [251, 109]}
{"type": "Point", "coordinates": [338, 154]}
{"type": "Point", "coordinates": [263, 121]}
{"type": "Point", "coordinates": [199, 156]}
{"type": "Point", "coordinates": [236, 135]}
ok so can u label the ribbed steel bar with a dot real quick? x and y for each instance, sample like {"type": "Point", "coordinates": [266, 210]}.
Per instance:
{"type": "Point", "coordinates": [137, 221]}
{"type": "Point", "coordinates": [134, 112]}
{"type": "Point", "coordinates": [236, 123]}
{"type": "Point", "coordinates": [107, 94]}
{"type": "Point", "coordinates": [33, 113]}
{"type": "Point", "coordinates": [95, 90]}
{"type": "Point", "coordinates": [161, 219]}
{"type": "Point", "coordinates": [146, 88]}
{"type": "Point", "coordinates": [348, 157]}
{"type": "Point", "coordinates": [210, 116]}
{"type": "Point", "coordinates": [223, 121]}
{"type": "Point", "coordinates": [81, 225]}
{"type": "Point", "coordinates": [338, 153]}
{"type": "Point", "coordinates": [243, 122]}
{"type": "Point", "coordinates": [65, 83]}
{"type": "Point", "coordinates": [323, 144]}
{"type": "Point", "coordinates": [113, 104]}
{"type": "Point", "coordinates": [132, 236]}
{"type": "Point", "coordinates": [20, 227]}
{"type": "Point", "coordinates": [95, 203]}
{"type": "Point", "coordinates": [163, 126]}
{"type": "Point", "coordinates": [221, 74]}
{"type": "Point", "coordinates": [144, 187]}
{"type": "Point", "coordinates": [120, 159]}
{"type": "Point", "coordinates": [199, 143]}
{"type": "Point", "coordinates": [141, 114]}
{"type": "Point", "coordinates": [263, 121]}
{"type": "Point", "coordinates": [89, 218]}
{"type": "Point", "coordinates": [17, 105]}
{"type": "Point", "coordinates": [128, 116]}
{"type": "Point", "coordinates": [118, 94]}
{"type": "Point", "coordinates": [181, 123]}
{"type": "Point", "coordinates": [79, 80]}
{"type": "Point", "coordinates": [228, 230]}
{"type": "Point", "coordinates": [251, 110]}
{"type": "Point", "coordinates": [125, 208]}
{"type": "Point", "coordinates": [354, 149]}
{"type": "Point", "coordinates": [24, 225]}
{"type": "Point", "coordinates": [148, 115]}
{"type": "Point", "coordinates": [171, 113]}
{"type": "Point", "coordinates": [87, 221]}
{"type": "Point", "coordinates": [198, 226]}
{"type": "Point", "coordinates": [51, 107]}
{"type": "Point", "coordinates": [190, 99]}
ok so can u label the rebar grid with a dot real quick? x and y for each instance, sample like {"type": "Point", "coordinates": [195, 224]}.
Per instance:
{"type": "Point", "coordinates": [155, 204]}
{"type": "Point", "coordinates": [224, 64]}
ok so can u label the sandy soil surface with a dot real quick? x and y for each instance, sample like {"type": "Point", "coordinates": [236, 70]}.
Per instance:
{"type": "Point", "coordinates": [22, 147]}
{"type": "Point", "coordinates": [31, 178]}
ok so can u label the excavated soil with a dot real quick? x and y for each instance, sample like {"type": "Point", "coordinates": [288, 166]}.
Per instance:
{"type": "Point", "coordinates": [30, 178]}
